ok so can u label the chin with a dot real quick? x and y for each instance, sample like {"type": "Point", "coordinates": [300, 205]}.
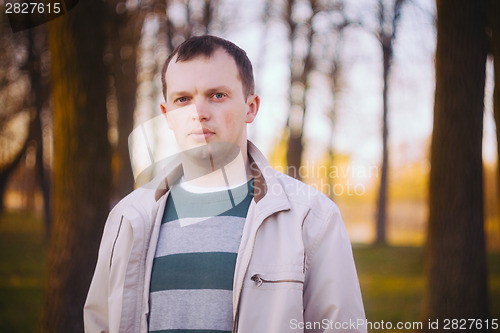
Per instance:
{"type": "Point", "coordinates": [220, 153]}
{"type": "Point", "coordinates": [193, 144]}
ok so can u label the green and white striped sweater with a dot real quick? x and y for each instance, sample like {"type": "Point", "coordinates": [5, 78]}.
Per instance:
{"type": "Point", "coordinates": [193, 270]}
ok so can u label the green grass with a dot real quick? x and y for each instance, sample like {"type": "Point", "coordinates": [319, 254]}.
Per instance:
{"type": "Point", "coordinates": [22, 268]}
{"type": "Point", "coordinates": [392, 278]}
{"type": "Point", "coordinates": [393, 283]}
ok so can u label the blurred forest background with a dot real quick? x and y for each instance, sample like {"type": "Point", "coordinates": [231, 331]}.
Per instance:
{"type": "Point", "coordinates": [388, 106]}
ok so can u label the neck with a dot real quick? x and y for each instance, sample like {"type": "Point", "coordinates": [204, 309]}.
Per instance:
{"type": "Point", "coordinates": [217, 172]}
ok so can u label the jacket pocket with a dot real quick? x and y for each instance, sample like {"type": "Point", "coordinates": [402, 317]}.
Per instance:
{"type": "Point", "coordinates": [275, 278]}
{"type": "Point", "coordinates": [259, 280]}
{"type": "Point", "coordinates": [271, 300]}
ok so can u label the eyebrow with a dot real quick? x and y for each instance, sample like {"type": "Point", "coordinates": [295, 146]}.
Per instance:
{"type": "Point", "coordinates": [175, 94]}
{"type": "Point", "coordinates": [219, 88]}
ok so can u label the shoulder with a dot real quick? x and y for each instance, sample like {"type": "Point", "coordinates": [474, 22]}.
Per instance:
{"type": "Point", "coordinates": [138, 198]}
{"type": "Point", "coordinates": [126, 200]}
{"type": "Point", "coordinates": [320, 217]}
{"type": "Point", "coordinates": [301, 194]}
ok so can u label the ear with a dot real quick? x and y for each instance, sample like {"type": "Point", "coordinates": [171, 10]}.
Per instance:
{"type": "Point", "coordinates": [163, 108]}
{"type": "Point", "coordinates": [253, 103]}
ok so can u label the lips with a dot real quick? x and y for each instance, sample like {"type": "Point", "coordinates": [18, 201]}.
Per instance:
{"type": "Point", "coordinates": [201, 133]}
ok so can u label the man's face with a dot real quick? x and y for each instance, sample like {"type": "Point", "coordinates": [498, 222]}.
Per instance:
{"type": "Point", "coordinates": [205, 103]}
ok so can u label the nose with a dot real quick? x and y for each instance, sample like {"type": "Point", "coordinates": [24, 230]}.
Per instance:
{"type": "Point", "coordinates": [202, 110]}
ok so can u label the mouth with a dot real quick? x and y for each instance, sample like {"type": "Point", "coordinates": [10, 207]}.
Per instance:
{"type": "Point", "coordinates": [201, 133]}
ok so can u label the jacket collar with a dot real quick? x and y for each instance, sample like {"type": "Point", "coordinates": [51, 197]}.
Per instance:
{"type": "Point", "coordinates": [266, 183]}
{"type": "Point", "coordinates": [174, 172]}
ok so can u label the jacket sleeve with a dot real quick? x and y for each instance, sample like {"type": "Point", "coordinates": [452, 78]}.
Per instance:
{"type": "Point", "coordinates": [332, 294]}
{"type": "Point", "coordinates": [95, 311]}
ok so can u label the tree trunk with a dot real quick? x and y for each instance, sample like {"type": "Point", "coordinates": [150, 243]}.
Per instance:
{"type": "Point", "coordinates": [381, 237]}
{"type": "Point", "coordinates": [455, 257]}
{"type": "Point", "coordinates": [7, 171]}
{"type": "Point", "coordinates": [299, 77]}
{"type": "Point", "coordinates": [39, 98]}
{"type": "Point", "coordinates": [125, 31]}
{"type": "Point", "coordinates": [386, 37]}
{"type": "Point", "coordinates": [494, 25]}
{"type": "Point", "coordinates": [294, 154]}
{"type": "Point", "coordinates": [82, 174]}
{"type": "Point", "coordinates": [335, 75]}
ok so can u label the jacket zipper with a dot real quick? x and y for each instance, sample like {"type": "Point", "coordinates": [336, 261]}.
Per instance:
{"type": "Point", "coordinates": [259, 280]}
{"type": "Point", "coordinates": [235, 320]}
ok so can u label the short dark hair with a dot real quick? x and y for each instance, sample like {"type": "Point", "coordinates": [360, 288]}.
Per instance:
{"type": "Point", "coordinates": [206, 45]}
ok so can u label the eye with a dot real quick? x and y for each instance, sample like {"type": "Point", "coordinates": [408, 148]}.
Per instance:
{"type": "Point", "coordinates": [181, 100]}
{"type": "Point", "coordinates": [219, 95]}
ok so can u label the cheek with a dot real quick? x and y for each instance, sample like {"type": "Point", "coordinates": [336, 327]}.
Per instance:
{"type": "Point", "coordinates": [236, 117]}
{"type": "Point", "coordinates": [177, 125]}
{"type": "Point", "coordinates": [230, 120]}
{"type": "Point", "coordinates": [234, 123]}
{"type": "Point", "coordinates": [172, 122]}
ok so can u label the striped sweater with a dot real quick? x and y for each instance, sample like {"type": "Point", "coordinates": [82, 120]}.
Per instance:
{"type": "Point", "coordinates": [193, 269]}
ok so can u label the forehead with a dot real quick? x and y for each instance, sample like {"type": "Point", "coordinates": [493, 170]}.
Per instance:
{"type": "Point", "coordinates": [219, 68]}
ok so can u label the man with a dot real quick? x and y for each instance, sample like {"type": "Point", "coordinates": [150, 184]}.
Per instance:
{"type": "Point", "coordinates": [225, 243]}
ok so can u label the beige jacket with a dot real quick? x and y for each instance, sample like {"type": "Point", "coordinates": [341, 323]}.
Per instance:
{"type": "Point", "coordinates": [294, 271]}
